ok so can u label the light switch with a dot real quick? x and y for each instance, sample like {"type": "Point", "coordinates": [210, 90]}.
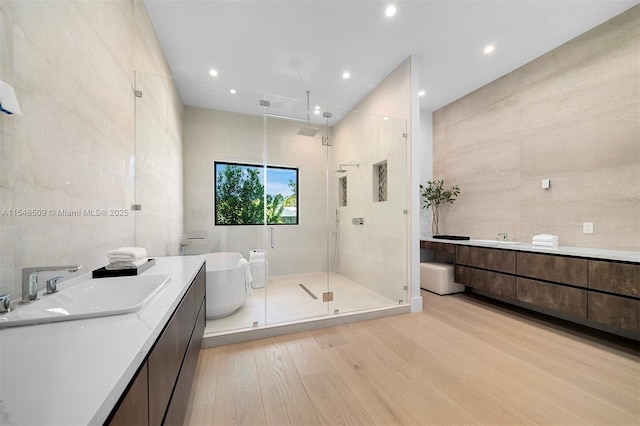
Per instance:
{"type": "Point", "coordinates": [546, 183]}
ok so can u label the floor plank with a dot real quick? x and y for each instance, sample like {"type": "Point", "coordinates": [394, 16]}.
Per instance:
{"type": "Point", "coordinates": [284, 398]}
{"type": "Point", "coordinates": [238, 399]}
{"type": "Point", "coordinates": [463, 360]}
{"type": "Point", "coordinates": [334, 401]}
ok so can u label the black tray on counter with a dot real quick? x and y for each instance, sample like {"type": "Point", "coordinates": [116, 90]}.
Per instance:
{"type": "Point", "coordinates": [451, 237]}
{"type": "Point", "coordinates": [106, 273]}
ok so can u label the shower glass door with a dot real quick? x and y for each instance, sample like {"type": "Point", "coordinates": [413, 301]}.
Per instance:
{"type": "Point", "coordinates": [296, 210]}
{"type": "Point", "coordinates": [368, 198]}
{"type": "Point", "coordinates": [220, 151]}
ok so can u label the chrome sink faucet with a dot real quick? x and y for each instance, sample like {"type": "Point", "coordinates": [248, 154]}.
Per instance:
{"type": "Point", "coordinates": [502, 236]}
{"type": "Point", "coordinates": [30, 280]}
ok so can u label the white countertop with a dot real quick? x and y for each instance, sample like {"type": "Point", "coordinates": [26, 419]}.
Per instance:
{"type": "Point", "coordinates": [74, 372]}
{"type": "Point", "coordinates": [592, 253]}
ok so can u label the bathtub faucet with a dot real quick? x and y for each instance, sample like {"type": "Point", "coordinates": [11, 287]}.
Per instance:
{"type": "Point", "coordinates": [185, 242]}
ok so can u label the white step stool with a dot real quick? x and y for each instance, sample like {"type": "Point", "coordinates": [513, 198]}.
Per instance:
{"type": "Point", "coordinates": [439, 278]}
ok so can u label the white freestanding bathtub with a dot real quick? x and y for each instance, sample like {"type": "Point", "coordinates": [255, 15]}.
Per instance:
{"type": "Point", "coordinates": [226, 290]}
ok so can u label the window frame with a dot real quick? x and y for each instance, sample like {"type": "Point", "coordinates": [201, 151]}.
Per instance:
{"type": "Point", "coordinates": [264, 170]}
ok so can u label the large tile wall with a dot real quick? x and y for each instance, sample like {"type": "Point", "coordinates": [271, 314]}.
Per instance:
{"type": "Point", "coordinates": [571, 116]}
{"type": "Point", "coordinates": [212, 135]}
{"type": "Point", "coordinates": [375, 254]}
{"type": "Point", "coordinates": [72, 66]}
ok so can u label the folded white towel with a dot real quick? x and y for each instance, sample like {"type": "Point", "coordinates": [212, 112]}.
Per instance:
{"type": "Point", "coordinates": [247, 276]}
{"type": "Point", "coordinates": [546, 238]}
{"type": "Point", "coordinates": [127, 254]}
{"type": "Point", "coordinates": [545, 243]}
{"type": "Point", "coordinates": [115, 265]}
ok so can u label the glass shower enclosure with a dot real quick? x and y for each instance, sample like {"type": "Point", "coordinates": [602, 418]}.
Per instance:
{"type": "Point", "coordinates": [319, 195]}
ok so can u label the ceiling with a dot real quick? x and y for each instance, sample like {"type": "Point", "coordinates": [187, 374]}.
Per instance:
{"type": "Point", "coordinates": [285, 48]}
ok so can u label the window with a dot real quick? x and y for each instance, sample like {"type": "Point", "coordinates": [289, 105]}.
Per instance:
{"type": "Point", "coordinates": [240, 195]}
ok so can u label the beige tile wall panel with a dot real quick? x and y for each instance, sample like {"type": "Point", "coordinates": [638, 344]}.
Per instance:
{"type": "Point", "coordinates": [72, 65]}
{"type": "Point", "coordinates": [571, 116]}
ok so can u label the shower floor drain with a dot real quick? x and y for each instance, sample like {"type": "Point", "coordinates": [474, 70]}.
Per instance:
{"type": "Point", "coordinates": [308, 291]}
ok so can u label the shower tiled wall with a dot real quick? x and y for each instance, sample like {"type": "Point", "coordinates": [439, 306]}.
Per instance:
{"type": "Point", "coordinates": [375, 254]}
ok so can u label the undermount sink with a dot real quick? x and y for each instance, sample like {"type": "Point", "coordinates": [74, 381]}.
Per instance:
{"type": "Point", "coordinates": [90, 298]}
{"type": "Point", "coordinates": [500, 242]}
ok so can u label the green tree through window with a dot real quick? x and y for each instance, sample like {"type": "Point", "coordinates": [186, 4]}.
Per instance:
{"type": "Point", "coordinates": [240, 195]}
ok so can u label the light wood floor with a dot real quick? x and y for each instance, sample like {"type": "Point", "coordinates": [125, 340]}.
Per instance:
{"type": "Point", "coordinates": [463, 360]}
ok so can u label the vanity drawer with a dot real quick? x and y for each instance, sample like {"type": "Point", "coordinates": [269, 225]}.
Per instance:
{"type": "Point", "coordinates": [133, 408]}
{"type": "Point", "coordinates": [619, 278]}
{"type": "Point", "coordinates": [438, 247]}
{"type": "Point", "coordinates": [548, 267]}
{"type": "Point", "coordinates": [620, 312]}
{"type": "Point", "coordinates": [492, 282]}
{"type": "Point", "coordinates": [487, 258]}
{"type": "Point", "coordinates": [561, 298]}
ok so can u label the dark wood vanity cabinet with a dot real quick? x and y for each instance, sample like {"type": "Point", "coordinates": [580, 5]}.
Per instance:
{"type": "Point", "coordinates": [570, 300]}
{"type": "Point", "coordinates": [620, 312]}
{"type": "Point", "coordinates": [486, 269]}
{"type": "Point", "coordinates": [438, 247]}
{"type": "Point", "coordinates": [560, 269]}
{"type": "Point", "coordinates": [487, 258]}
{"type": "Point", "coordinates": [614, 294]}
{"type": "Point", "coordinates": [615, 277]}
{"type": "Point", "coordinates": [489, 281]}
{"type": "Point", "coordinates": [600, 293]}
{"type": "Point", "coordinates": [133, 409]}
{"type": "Point", "coordinates": [550, 281]}
{"type": "Point", "coordinates": [163, 384]}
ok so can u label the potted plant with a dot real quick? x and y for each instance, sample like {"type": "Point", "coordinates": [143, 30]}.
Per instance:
{"type": "Point", "coordinates": [435, 195]}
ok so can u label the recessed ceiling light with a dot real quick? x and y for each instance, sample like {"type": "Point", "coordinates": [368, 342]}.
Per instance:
{"type": "Point", "coordinates": [317, 111]}
{"type": "Point", "coordinates": [386, 118]}
{"type": "Point", "coordinates": [232, 91]}
{"type": "Point", "coordinates": [489, 48]}
{"type": "Point", "coordinates": [422, 93]}
{"type": "Point", "coordinates": [346, 75]}
{"type": "Point", "coordinates": [213, 73]}
{"type": "Point", "coordinates": [317, 106]}
{"type": "Point", "coordinates": [390, 11]}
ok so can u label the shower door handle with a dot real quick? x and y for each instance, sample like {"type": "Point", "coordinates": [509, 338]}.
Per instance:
{"type": "Point", "coordinates": [273, 237]}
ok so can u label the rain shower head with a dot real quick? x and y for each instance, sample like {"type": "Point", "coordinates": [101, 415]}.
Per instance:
{"type": "Point", "coordinates": [308, 130]}
{"type": "Point", "coordinates": [343, 165]}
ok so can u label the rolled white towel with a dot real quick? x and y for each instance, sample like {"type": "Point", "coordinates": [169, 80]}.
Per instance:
{"type": "Point", "coordinates": [545, 243]}
{"type": "Point", "coordinates": [115, 265]}
{"type": "Point", "coordinates": [247, 276]}
{"type": "Point", "coordinates": [545, 238]}
{"type": "Point", "coordinates": [127, 254]}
